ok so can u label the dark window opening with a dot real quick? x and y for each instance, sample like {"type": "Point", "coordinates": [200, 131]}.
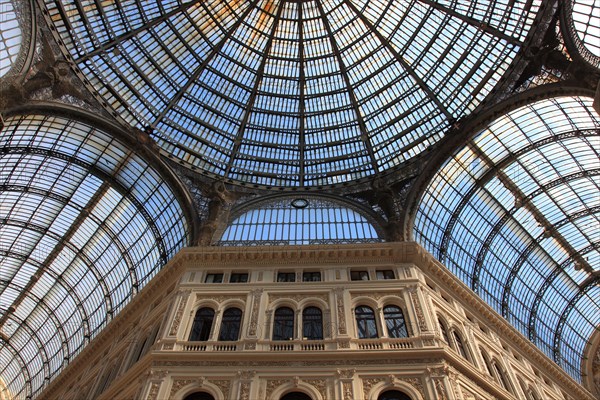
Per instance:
{"type": "Point", "coordinates": [365, 322]}
{"type": "Point", "coordinates": [202, 325]}
{"type": "Point", "coordinates": [395, 322]}
{"type": "Point", "coordinates": [385, 274]}
{"type": "Point", "coordinates": [312, 323]}
{"type": "Point", "coordinates": [311, 277]}
{"type": "Point", "coordinates": [214, 278]}
{"type": "Point", "coordinates": [359, 275]}
{"type": "Point", "coordinates": [283, 324]}
{"type": "Point", "coordinates": [286, 277]}
{"type": "Point", "coordinates": [230, 325]}
{"type": "Point", "coordinates": [238, 278]}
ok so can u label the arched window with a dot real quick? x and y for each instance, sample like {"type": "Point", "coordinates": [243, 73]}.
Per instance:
{"type": "Point", "coordinates": [202, 325]}
{"type": "Point", "coordinates": [486, 360]}
{"type": "Point", "coordinates": [395, 322]}
{"type": "Point", "coordinates": [312, 323]}
{"type": "Point", "coordinates": [296, 396]}
{"type": "Point", "coordinates": [283, 324]}
{"type": "Point", "coordinates": [444, 331]}
{"type": "Point", "coordinates": [365, 322]}
{"type": "Point", "coordinates": [500, 376]}
{"type": "Point", "coordinates": [393, 395]}
{"type": "Point", "coordinates": [460, 346]}
{"type": "Point", "coordinates": [230, 325]}
{"type": "Point", "coordinates": [199, 396]}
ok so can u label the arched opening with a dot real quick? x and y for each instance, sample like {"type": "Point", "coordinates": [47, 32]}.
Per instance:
{"type": "Point", "coordinates": [283, 324]}
{"type": "Point", "coordinates": [202, 325]}
{"type": "Point", "coordinates": [365, 322]}
{"type": "Point", "coordinates": [444, 331]}
{"type": "Point", "coordinates": [393, 395]}
{"type": "Point", "coordinates": [230, 325]}
{"type": "Point", "coordinates": [460, 346]}
{"type": "Point", "coordinates": [199, 396]}
{"type": "Point", "coordinates": [395, 322]}
{"type": "Point", "coordinates": [296, 396]}
{"type": "Point", "coordinates": [312, 323]}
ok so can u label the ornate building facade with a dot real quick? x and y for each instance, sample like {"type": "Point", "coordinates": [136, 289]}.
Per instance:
{"type": "Point", "coordinates": [331, 322]}
{"type": "Point", "coordinates": [300, 199]}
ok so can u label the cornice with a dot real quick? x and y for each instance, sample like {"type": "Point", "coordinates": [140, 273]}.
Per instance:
{"type": "Point", "coordinates": [368, 253]}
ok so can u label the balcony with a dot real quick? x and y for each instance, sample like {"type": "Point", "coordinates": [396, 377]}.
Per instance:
{"type": "Point", "coordinates": [341, 344]}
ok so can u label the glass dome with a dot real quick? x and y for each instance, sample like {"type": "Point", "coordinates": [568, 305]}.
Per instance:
{"type": "Point", "coordinates": [85, 222]}
{"type": "Point", "coordinates": [10, 36]}
{"type": "Point", "coordinates": [516, 215]}
{"type": "Point", "coordinates": [292, 93]}
{"type": "Point", "coordinates": [583, 23]}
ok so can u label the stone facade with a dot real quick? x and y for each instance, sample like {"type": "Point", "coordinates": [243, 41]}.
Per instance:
{"type": "Point", "coordinates": [148, 342]}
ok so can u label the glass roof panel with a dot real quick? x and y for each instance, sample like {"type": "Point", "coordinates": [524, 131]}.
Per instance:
{"type": "Point", "coordinates": [10, 36]}
{"type": "Point", "coordinates": [74, 201]}
{"type": "Point", "coordinates": [299, 221]}
{"type": "Point", "coordinates": [293, 93]}
{"type": "Point", "coordinates": [586, 18]}
{"type": "Point", "coordinates": [515, 214]}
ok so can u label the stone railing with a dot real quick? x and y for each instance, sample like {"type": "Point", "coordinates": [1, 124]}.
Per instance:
{"type": "Point", "coordinates": [303, 345]}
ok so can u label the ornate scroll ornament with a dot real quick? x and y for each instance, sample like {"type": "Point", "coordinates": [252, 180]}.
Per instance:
{"type": "Point", "coordinates": [440, 389]}
{"type": "Point", "coordinates": [224, 386]}
{"type": "Point", "coordinates": [256, 296]}
{"type": "Point", "coordinates": [417, 383]}
{"type": "Point", "coordinates": [245, 391]}
{"type": "Point", "coordinates": [319, 384]}
{"type": "Point", "coordinates": [341, 313]}
{"type": "Point", "coordinates": [223, 298]}
{"type": "Point", "coordinates": [347, 391]}
{"type": "Point", "coordinates": [153, 393]}
{"type": "Point", "coordinates": [414, 297]}
{"type": "Point", "coordinates": [368, 385]}
{"type": "Point", "coordinates": [297, 297]}
{"type": "Point", "coordinates": [179, 314]}
{"type": "Point", "coordinates": [180, 383]}
{"type": "Point", "coordinates": [273, 384]}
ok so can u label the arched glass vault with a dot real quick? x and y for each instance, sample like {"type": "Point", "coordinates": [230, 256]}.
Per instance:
{"type": "Point", "coordinates": [85, 222]}
{"type": "Point", "coordinates": [292, 93]}
{"type": "Point", "coordinates": [285, 220]}
{"type": "Point", "coordinates": [516, 215]}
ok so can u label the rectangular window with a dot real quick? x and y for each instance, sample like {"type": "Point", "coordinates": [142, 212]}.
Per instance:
{"type": "Point", "coordinates": [214, 278]}
{"type": "Point", "coordinates": [238, 278]}
{"type": "Point", "coordinates": [286, 277]}
{"type": "Point", "coordinates": [385, 274]}
{"type": "Point", "coordinates": [311, 277]}
{"type": "Point", "coordinates": [359, 275]}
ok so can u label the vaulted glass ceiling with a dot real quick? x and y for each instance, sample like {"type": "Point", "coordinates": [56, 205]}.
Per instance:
{"type": "Point", "coordinates": [516, 215]}
{"type": "Point", "coordinates": [296, 221]}
{"type": "Point", "coordinates": [85, 223]}
{"type": "Point", "coordinates": [292, 93]}
{"type": "Point", "coordinates": [10, 36]}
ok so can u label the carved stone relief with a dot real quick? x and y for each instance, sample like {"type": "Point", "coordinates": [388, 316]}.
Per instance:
{"type": "Point", "coordinates": [319, 384]}
{"type": "Point", "coordinates": [256, 296]}
{"type": "Point", "coordinates": [273, 384]}
{"type": "Point", "coordinates": [179, 383]}
{"type": "Point", "coordinates": [224, 298]}
{"type": "Point", "coordinates": [440, 389]}
{"type": "Point", "coordinates": [341, 314]}
{"type": "Point", "coordinates": [179, 314]}
{"type": "Point", "coordinates": [153, 393]}
{"type": "Point", "coordinates": [297, 297]}
{"type": "Point", "coordinates": [418, 309]}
